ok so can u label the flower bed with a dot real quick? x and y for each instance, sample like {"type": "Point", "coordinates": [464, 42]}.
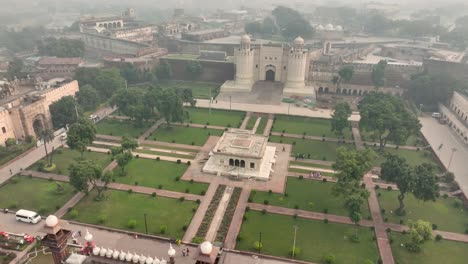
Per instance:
{"type": "Point", "coordinates": [224, 227]}
{"type": "Point", "coordinates": [205, 224]}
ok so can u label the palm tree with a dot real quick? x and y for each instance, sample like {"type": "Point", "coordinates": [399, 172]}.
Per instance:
{"type": "Point", "coordinates": [47, 136]}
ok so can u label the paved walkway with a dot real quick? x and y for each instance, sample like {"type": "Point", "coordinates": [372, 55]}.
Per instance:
{"type": "Point", "coordinates": [323, 162]}
{"type": "Point", "coordinates": [310, 168]}
{"type": "Point", "coordinates": [236, 222]}
{"type": "Point", "coordinates": [219, 214]}
{"type": "Point", "coordinates": [357, 138]}
{"type": "Point", "coordinates": [153, 128]}
{"type": "Point", "coordinates": [114, 144]}
{"type": "Point", "coordinates": [246, 120]}
{"type": "Point", "coordinates": [200, 126]}
{"type": "Point", "coordinates": [268, 126]}
{"type": "Point", "coordinates": [200, 214]}
{"type": "Point", "coordinates": [171, 145]}
{"type": "Point", "coordinates": [144, 155]}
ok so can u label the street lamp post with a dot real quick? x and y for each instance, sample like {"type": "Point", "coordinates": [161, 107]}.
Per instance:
{"type": "Point", "coordinates": [146, 225]}
{"type": "Point", "coordinates": [451, 157]}
{"type": "Point", "coordinates": [230, 106]}
{"type": "Point", "coordinates": [294, 243]}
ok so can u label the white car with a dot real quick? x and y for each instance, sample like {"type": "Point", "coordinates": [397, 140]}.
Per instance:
{"type": "Point", "coordinates": [28, 216]}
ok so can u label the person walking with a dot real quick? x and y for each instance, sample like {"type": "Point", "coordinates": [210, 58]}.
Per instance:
{"type": "Point", "coordinates": [188, 252]}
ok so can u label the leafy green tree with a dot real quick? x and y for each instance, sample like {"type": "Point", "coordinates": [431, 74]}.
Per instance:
{"type": "Point", "coordinates": [163, 71]}
{"type": "Point", "coordinates": [61, 47]}
{"type": "Point", "coordinates": [81, 134]}
{"type": "Point", "coordinates": [254, 28]}
{"type": "Point", "coordinates": [130, 73]}
{"type": "Point", "coordinates": [123, 159]}
{"type": "Point", "coordinates": [129, 144]}
{"type": "Point", "coordinates": [86, 173]}
{"type": "Point", "coordinates": [420, 231]}
{"type": "Point", "coordinates": [47, 136]}
{"type": "Point", "coordinates": [87, 76]}
{"type": "Point", "coordinates": [340, 117]}
{"type": "Point", "coordinates": [170, 106]}
{"type": "Point", "coordinates": [346, 73]}
{"type": "Point", "coordinates": [386, 117]}
{"type": "Point", "coordinates": [63, 112]}
{"type": "Point", "coordinates": [108, 81]}
{"type": "Point", "coordinates": [131, 102]}
{"type": "Point", "coordinates": [88, 97]}
{"type": "Point", "coordinates": [425, 186]}
{"type": "Point", "coordinates": [397, 170]}
{"type": "Point", "coordinates": [378, 24]}
{"type": "Point", "coordinates": [23, 40]}
{"type": "Point", "coordinates": [378, 74]}
{"type": "Point", "coordinates": [291, 22]}
{"type": "Point", "coordinates": [194, 69]}
{"type": "Point", "coordinates": [15, 68]}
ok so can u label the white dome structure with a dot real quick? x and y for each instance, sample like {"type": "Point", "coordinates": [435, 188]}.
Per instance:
{"type": "Point", "coordinates": [319, 27]}
{"type": "Point", "coordinates": [109, 253]}
{"type": "Point", "coordinates": [329, 27]}
{"type": "Point", "coordinates": [103, 252]}
{"type": "Point", "coordinates": [96, 251]}
{"type": "Point", "coordinates": [88, 237]}
{"type": "Point", "coordinates": [245, 39]}
{"type": "Point", "coordinates": [136, 258]}
{"type": "Point", "coordinates": [149, 260]}
{"type": "Point", "coordinates": [163, 261]}
{"type": "Point", "coordinates": [156, 261]}
{"type": "Point", "coordinates": [171, 252]}
{"type": "Point", "coordinates": [142, 259]}
{"type": "Point", "coordinates": [299, 41]}
{"type": "Point", "coordinates": [116, 254]}
{"type": "Point", "coordinates": [206, 248]}
{"type": "Point", "coordinates": [128, 257]}
{"type": "Point", "coordinates": [339, 28]}
{"type": "Point", "coordinates": [51, 221]}
{"type": "Point", "coordinates": [122, 255]}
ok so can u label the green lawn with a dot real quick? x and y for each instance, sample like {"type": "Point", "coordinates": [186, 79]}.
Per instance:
{"type": "Point", "coordinates": [185, 135]}
{"type": "Point", "coordinates": [316, 239]}
{"type": "Point", "coordinates": [200, 90]}
{"type": "Point", "coordinates": [311, 126]}
{"type": "Point", "coordinates": [152, 173]}
{"type": "Point", "coordinates": [442, 212]}
{"type": "Point", "coordinates": [433, 252]}
{"type": "Point", "coordinates": [307, 172]}
{"type": "Point", "coordinates": [318, 150]}
{"type": "Point", "coordinates": [120, 207]}
{"type": "Point", "coordinates": [64, 157]}
{"type": "Point", "coordinates": [224, 118]}
{"type": "Point", "coordinates": [310, 195]}
{"type": "Point", "coordinates": [413, 157]}
{"type": "Point", "coordinates": [262, 125]}
{"type": "Point", "coordinates": [121, 128]}
{"type": "Point", "coordinates": [413, 140]}
{"type": "Point", "coordinates": [251, 123]}
{"type": "Point", "coordinates": [34, 194]}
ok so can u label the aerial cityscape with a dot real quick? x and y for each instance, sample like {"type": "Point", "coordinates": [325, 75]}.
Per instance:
{"type": "Point", "coordinates": [233, 132]}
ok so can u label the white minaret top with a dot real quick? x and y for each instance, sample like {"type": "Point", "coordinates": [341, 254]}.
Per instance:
{"type": "Point", "coordinates": [299, 41]}
{"type": "Point", "coordinates": [245, 39]}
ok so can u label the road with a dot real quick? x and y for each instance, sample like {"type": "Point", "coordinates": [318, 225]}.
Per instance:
{"type": "Point", "coordinates": [438, 134]}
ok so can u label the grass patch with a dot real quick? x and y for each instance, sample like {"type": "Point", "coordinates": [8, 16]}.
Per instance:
{"type": "Point", "coordinates": [318, 150]}
{"type": "Point", "coordinates": [309, 195]}
{"type": "Point", "coordinates": [200, 90]}
{"type": "Point", "coordinates": [152, 173]}
{"type": "Point", "coordinates": [433, 252]}
{"type": "Point", "coordinates": [251, 122]}
{"type": "Point", "coordinates": [413, 157]}
{"type": "Point", "coordinates": [316, 239]}
{"type": "Point", "coordinates": [185, 135]}
{"type": "Point", "coordinates": [262, 125]}
{"type": "Point", "coordinates": [210, 212]}
{"type": "Point", "coordinates": [34, 194]}
{"type": "Point", "coordinates": [442, 212]}
{"type": "Point", "coordinates": [228, 215]}
{"type": "Point", "coordinates": [121, 128]}
{"type": "Point", "coordinates": [64, 157]}
{"type": "Point", "coordinates": [311, 126]}
{"type": "Point", "coordinates": [7, 154]}
{"type": "Point", "coordinates": [224, 118]}
{"type": "Point", "coordinates": [119, 208]}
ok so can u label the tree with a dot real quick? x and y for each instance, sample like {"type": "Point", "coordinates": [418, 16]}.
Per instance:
{"type": "Point", "coordinates": [88, 97]}
{"type": "Point", "coordinates": [47, 136]}
{"type": "Point", "coordinates": [420, 231]}
{"type": "Point", "coordinates": [163, 71]}
{"type": "Point", "coordinates": [123, 159]}
{"type": "Point", "coordinates": [129, 144]}
{"type": "Point", "coordinates": [425, 186]}
{"type": "Point", "coordinates": [108, 81]}
{"type": "Point", "coordinates": [340, 117]}
{"type": "Point", "coordinates": [63, 112]}
{"type": "Point", "coordinates": [80, 134]}
{"type": "Point", "coordinates": [386, 117]}
{"type": "Point", "coordinates": [61, 47]}
{"type": "Point", "coordinates": [131, 102]}
{"type": "Point", "coordinates": [194, 69]}
{"type": "Point", "coordinates": [15, 68]}
{"type": "Point", "coordinates": [130, 73]}
{"type": "Point", "coordinates": [378, 74]}
{"type": "Point", "coordinates": [85, 173]}
{"type": "Point", "coordinates": [346, 73]}
{"type": "Point", "coordinates": [170, 106]}
{"type": "Point", "coordinates": [187, 96]}
{"type": "Point", "coordinates": [86, 76]}
{"type": "Point", "coordinates": [291, 22]}
{"type": "Point", "coordinates": [395, 169]}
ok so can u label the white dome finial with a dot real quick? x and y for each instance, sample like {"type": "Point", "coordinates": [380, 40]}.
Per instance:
{"type": "Point", "coordinates": [171, 252]}
{"type": "Point", "coordinates": [299, 41]}
{"type": "Point", "coordinates": [88, 237]}
{"type": "Point", "coordinates": [51, 221]}
{"type": "Point", "coordinates": [245, 39]}
{"type": "Point", "coordinates": [206, 248]}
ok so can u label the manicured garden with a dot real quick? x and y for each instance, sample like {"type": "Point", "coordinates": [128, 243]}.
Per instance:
{"type": "Point", "coordinates": [64, 157]}
{"type": "Point", "coordinates": [209, 214]}
{"type": "Point", "coordinates": [447, 213]}
{"type": "Point", "coordinates": [413, 157]}
{"type": "Point", "coordinates": [121, 128]}
{"type": "Point", "coordinates": [311, 126]}
{"type": "Point", "coordinates": [433, 252]}
{"type": "Point", "coordinates": [315, 239]}
{"type": "Point", "coordinates": [158, 174]}
{"type": "Point", "coordinates": [251, 122]}
{"type": "Point", "coordinates": [318, 150]}
{"type": "Point", "coordinates": [122, 210]}
{"type": "Point", "coordinates": [305, 194]}
{"type": "Point", "coordinates": [224, 118]}
{"type": "Point", "coordinates": [200, 90]}
{"type": "Point", "coordinates": [163, 153]}
{"type": "Point", "coordinates": [185, 135]}
{"type": "Point", "coordinates": [262, 125]}
{"type": "Point", "coordinates": [39, 195]}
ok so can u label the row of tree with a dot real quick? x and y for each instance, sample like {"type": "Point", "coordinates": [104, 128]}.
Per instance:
{"type": "Point", "coordinates": [61, 47]}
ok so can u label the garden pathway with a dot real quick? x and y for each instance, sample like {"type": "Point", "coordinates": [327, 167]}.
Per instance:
{"type": "Point", "coordinates": [236, 222]}
{"type": "Point", "coordinates": [114, 144]}
{"type": "Point", "coordinates": [269, 125]}
{"type": "Point", "coordinates": [309, 137]}
{"type": "Point", "coordinates": [150, 130]}
{"type": "Point", "coordinates": [383, 242]}
{"type": "Point", "coordinates": [200, 126]}
{"type": "Point", "coordinates": [200, 214]}
{"type": "Point", "coordinates": [219, 214]}
{"type": "Point", "coordinates": [246, 120]}
{"type": "Point", "coordinates": [171, 145]}
{"type": "Point", "coordinates": [257, 123]}
{"type": "Point", "coordinates": [310, 168]}
{"type": "Point", "coordinates": [357, 138]}
{"type": "Point", "coordinates": [144, 155]}
{"type": "Point", "coordinates": [323, 162]}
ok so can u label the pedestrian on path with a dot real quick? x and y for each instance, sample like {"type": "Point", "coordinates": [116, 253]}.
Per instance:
{"type": "Point", "coordinates": [183, 252]}
{"type": "Point", "coordinates": [188, 252]}
{"type": "Point", "coordinates": [79, 233]}
{"type": "Point", "coordinates": [11, 173]}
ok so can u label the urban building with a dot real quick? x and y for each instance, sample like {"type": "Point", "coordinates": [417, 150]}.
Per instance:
{"type": "Point", "coordinates": [456, 115]}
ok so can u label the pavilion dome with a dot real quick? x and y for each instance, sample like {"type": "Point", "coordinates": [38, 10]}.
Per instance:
{"type": "Point", "coordinates": [206, 248]}
{"type": "Point", "coordinates": [245, 39]}
{"type": "Point", "coordinates": [51, 221]}
{"type": "Point", "coordinates": [116, 254]}
{"type": "Point", "coordinates": [298, 41]}
{"type": "Point", "coordinates": [149, 260]}
{"type": "Point", "coordinates": [319, 27]}
{"type": "Point", "coordinates": [329, 27]}
{"type": "Point", "coordinates": [339, 28]}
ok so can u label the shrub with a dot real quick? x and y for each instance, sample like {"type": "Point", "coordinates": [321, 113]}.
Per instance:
{"type": "Point", "coordinates": [177, 178]}
{"type": "Point", "coordinates": [131, 223]}
{"type": "Point", "coordinates": [363, 185]}
{"type": "Point", "coordinates": [202, 192]}
{"type": "Point", "coordinates": [244, 218]}
{"type": "Point", "coordinates": [445, 196]}
{"type": "Point", "coordinates": [457, 203]}
{"type": "Point", "coordinates": [198, 240]}
{"type": "Point", "coordinates": [438, 237]}
{"type": "Point", "coordinates": [266, 202]}
{"type": "Point", "coordinates": [187, 190]}
{"type": "Point", "coordinates": [173, 141]}
{"type": "Point", "coordinates": [137, 156]}
{"type": "Point", "coordinates": [401, 221]}
{"type": "Point", "coordinates": [295, 251]}
{"type": "Point", "coordinates": [296, 206]}
{"type": "Point", "coordinates": [153, 194]}
{"type": "Point", "coordinates": [324, 179]}
{"type": "Point", "coordinates": [130, 190]}
{"type": "Point", "coordinates": [382, 210]}
{"type": "Point", "coordinates": [325, 211]}
{"type": "Point", "coordinates": [188, 162]}
{"type": "Point", "coordinates": [301, 177]}
{"type": "Point", "coordinates": [238, 238]}
{"type": "Point", "coordinates": [198, 201]}
{"type": "Point", "coordinates": [434, 227]}
{"type": "Point", "coordinates": [257, 245]}
{"type": "Point", "coordinates": [466, 231]}
{"type": "Point", "coordinates": [377, 187]}
{"type": "Point", "coordinates": [158, 158]}
{"type": "Point", "coordinates": [136, 183]}
{"type": "Point", "coordinates": [355, 238]}
{"type": "Point", "coordinates": [330, 259]}
{"type": "Point", "coordinates": [388, 230]}
{"type": "Point", "coordinates": [286, 194]}
{"type": "Point", "coordinates": [270, 192]}
{"type": "Point", "coordinates": [162, 229]}
{"type": "Point", "coordinates": [389, 188]}
{"type": "Point", "coordinates": [184, 227]}
{"type": "Point", "coordinates": [264, 211]}
{"type": "Point", "coordinates": [182, 198]}
{"type": "Point", "coordinates": [178, 161]}
{"type": "Point", "coordinates": [325, 220]}
{"type": "Point", "coordinates": [102, 219]}
{"type": "Point", "coordinates": [160, 186]}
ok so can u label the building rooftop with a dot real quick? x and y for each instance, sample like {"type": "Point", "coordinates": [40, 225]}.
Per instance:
{"type": "Point", "coordinates": [202, 32]}
{"type": "Point", "coordinates": [61, 61]}
{"type": "Point", "coordinates": [242, 143]}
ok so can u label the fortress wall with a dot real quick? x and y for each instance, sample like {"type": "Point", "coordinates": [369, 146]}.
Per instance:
{"type": "Point", "coordinates": [213, 71]}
